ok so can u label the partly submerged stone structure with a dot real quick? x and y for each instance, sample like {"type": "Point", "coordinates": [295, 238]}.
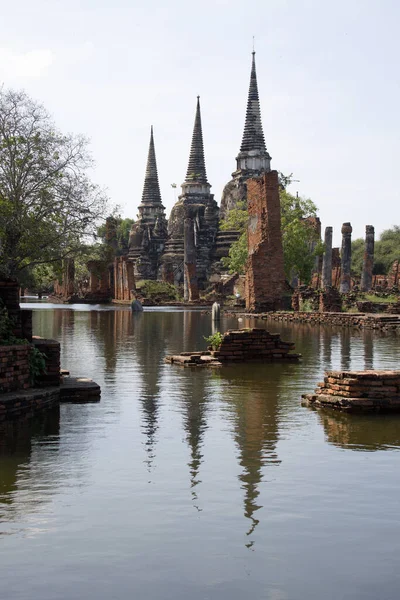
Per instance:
{"type": "Point", "coordinates": [148, 234]}
{"type": "Point", "coordinates": [357, 391]}
{"type": "Point", "coordinates": [241, 345]}
{"type": "Point", "coordinates": [197, 205]}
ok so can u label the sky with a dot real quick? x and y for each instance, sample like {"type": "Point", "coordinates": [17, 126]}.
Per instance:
{"type": "Point", "coordinates": [328, 78]}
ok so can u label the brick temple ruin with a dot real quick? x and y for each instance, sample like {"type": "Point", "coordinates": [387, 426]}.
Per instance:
{"type": "Point", "coordinates": [187, 249]}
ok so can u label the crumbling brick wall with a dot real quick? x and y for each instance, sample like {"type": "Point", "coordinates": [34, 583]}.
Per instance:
{"type": "Point", "coordinates": [124, 280]}
{"type": "Point", "coordinates": [14, 368]}
{"type": "Point", "coordinates": [265, 276]}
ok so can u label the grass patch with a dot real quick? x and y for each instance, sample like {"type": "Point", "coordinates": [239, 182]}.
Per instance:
{"type": "Point", "coordinates": [381, 299]}
{"type": "Point", "coordinates": [159, 291]}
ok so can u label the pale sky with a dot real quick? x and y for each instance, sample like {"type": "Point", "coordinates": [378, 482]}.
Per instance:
{"type": "Point", "coordinates": [328, 77]}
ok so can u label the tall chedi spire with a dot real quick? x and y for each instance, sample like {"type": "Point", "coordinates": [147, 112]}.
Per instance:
{"type": "Point", "coordinates": [196, 168]}
{"type": "Point", "coordinates": [253, 155]}
{"type": "Point", "coordinates": [192, 224]}
{"type": "Point", "coordinates": [148, 233]}
{"type": "Point", "coordinates": [151, 189]}
{"type": "Point", "coordinates": [196, 176]}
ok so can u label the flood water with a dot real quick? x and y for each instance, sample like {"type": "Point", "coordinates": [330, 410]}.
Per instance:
{"type": "Point", "coordinates": [199, 484]}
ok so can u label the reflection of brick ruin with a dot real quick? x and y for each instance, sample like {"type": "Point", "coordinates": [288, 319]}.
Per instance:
{"type": "Point", "coordinates": [265, 276]}
{"type": "Point", "coordinates": [186, 250]}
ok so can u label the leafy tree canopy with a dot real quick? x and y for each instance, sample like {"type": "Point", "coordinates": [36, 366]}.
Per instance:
{"type": "Point", "coordinates": [123, 228]}
{"type": "Point", "coordinates": [48, 204]}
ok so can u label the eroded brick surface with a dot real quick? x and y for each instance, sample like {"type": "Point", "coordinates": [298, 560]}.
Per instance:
{"type": "Point", "coordinates": [265, 277]}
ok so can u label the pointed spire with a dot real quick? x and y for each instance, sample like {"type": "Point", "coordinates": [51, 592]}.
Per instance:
{"type": "Point", "coordinates": [253, 136]}
{"type": "Point", "coordinates": [197, 168]}
{"type": "Point", "coordinates": [151, 189]}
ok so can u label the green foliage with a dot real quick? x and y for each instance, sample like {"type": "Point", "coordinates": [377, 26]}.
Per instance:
{"type": "Point", "coordinates": [47, 201]}
{"type": "Point", "coordinates": [387, 249]}
{"type": "Point", "coordinates": [215, 340]}
{"type": "Point", "coordinates": [386, 252]}
{"type": "Point", "coordinates": [380, 299]}
{"type": "Point", "coordinates": [37, 364]}
{"type": "Point", "coordinates": [236, 261]}
{"type": "Point", "coordinates": [159, 291]}
{"type": "Point", "coordinates": [306, 306]}
{"type": "Point", "coordinates": [300, 240]}
{"type": "Point", "coordinates": [122, 234]}
{"type": "Point", "coordinates": [236, 218]}
{"type": "Point", "coordinates": [301, 244]}
{"type": "Point", "coordinates": [357, 254]}
{"type": "Point", "coordinates": [7, 337]}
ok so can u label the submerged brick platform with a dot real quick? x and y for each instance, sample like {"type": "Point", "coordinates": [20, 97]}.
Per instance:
{"type": "Point", "coordinates": [241, 345]}
{"type": "Point", "coordinates": [79, 389]}
{"type": "Point", "coordinates": [357, 391]}
{"type": "Point", "coordinates": [26, 403]}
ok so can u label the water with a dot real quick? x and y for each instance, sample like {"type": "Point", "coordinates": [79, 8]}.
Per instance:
{"type": "Point", "coordinates": [199, 485]}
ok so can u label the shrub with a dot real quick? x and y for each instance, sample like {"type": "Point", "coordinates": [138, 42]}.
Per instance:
{"type": "Point", "coordinates": [215, 340]}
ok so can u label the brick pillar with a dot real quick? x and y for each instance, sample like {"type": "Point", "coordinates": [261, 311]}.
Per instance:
{"type": "Point", "coordinates": [368, 262]}
{"type": "Point", "coordinates": [94, 280]}
{"type": "Point", "coordinates": [345, 278]}
{"type": "Point", "coordinates": [69, 277]}
{"type": "Point", "coordinates": [191, 289]}
{"type": "Point", "coordinates": [327, 259]}
{"type": "Point", "coordinates": [167, 272]}
{"type": "Point", "coordinates": [130, 278]}
{"type": "Point", "coordinates": [120, 279]}
{"type": "Point", "coordinates": [116, 283]}
{"type": "Point", "coordinates": [265, 276]}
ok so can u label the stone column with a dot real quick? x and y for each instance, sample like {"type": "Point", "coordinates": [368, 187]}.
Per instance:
{"type": "Point", "coordinates": [368, 262]}
{"type": "Point", "coordinates": [345, 277]}
{"type": "Point", "coordinates": [191, 289]}
{"type": "Point", "coordinates": [327, 259]}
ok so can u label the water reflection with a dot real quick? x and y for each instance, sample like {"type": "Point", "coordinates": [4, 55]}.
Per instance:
{"type": "Point", "coordinates": [117, 483]}
{"type": "Point", "coordinates": [194, 404]}
{"type": "Point", "coordinates": [361, 432]}
{"type": "Point", "coordinates": [254, 412]}
{"type": "Point", "coordinates": [23, 446]}
{"type": "Point", "coordinates": [150, 339]}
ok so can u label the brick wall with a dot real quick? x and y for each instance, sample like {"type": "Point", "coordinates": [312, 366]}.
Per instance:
{"type": "Point", "coordinates": [253, 344]}
{"type": "Point", "coordinates": [14, 368]}
{"type": "Point", "coordinates": [265, 278]}
{"type": "Point", "coordinates": [353, 391]}
{"type": "Point", "coordinates": [51, 350]}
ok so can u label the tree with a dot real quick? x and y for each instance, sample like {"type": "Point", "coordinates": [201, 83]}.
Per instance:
{"type": "Point", "coordinates": [300, 240]}
{"type": "Point", "coordinates": [123, 228]}
{"type": "Point", "coordinates": [387, 249]}
{"type": "Point", "coordinates": [48, 204]}
{"type": "Point", "coordinates": [386, 252]}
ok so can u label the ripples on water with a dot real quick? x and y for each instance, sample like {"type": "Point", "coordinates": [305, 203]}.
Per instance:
{"type": "Point", "coordinates": [199, 484]}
